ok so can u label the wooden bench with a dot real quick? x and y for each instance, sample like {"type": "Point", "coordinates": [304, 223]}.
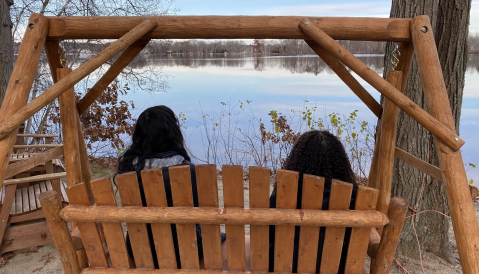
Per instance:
{"type": "Point", "coordinates": [33, 169]}
{"type": "Point", "coordinates": [210, 215]}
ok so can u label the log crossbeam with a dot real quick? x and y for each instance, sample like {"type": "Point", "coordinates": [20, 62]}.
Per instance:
{"type": "Point", "coordinates": [438, 129]}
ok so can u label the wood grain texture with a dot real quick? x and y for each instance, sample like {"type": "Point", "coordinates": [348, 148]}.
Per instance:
{"type": "Point", "coordinates": [156, 197]}
{"type": "Point", "coordinates": [466, 228]}
{"type": "Point", "coordinates": [234, 198]}
{"type": "Point", "coordinates": [373, 170]}
{"type": "Point", "coordinates": [390, 237]}
{"type": "Point", "coordinates": [181, 191]}
{"type": "Point", "coordinates": [436, 128]}
{"type": "Point", "coordinates": [37, 178]}
{"type": "Point", "coordinates": [233, 216]}
{"type": "Point", "coordinates": [7, 208]}
{"type": "Point", "coordinates": [366, 199]}
{"type": "Point", "coordinates": [259, 186]}
{"type": "Point", "coordinates": [387, 145]}
{"type": "Point", "coordinates": [125, 58]}
{"type": "Point", "coordinates": [206, 182]}
{"type": "Point", "coordinates": [104, 196]}
{"type": "Point", "coordinates": [84, 158]}
{"type": "Point", "coordinates": [51, 208]}
{"type": "Point", "coordinates": [230, 27]}
{"type": "Point", "coordinates": [20, 83]}
{"type": "Point", "coordinates": [333, 239]}
{"type": "Point", "coordinates": [53, 57]}
{"type": "Point", "coordinates": [140, 243]}
{"type": "Point", "coordinates": [70, 131]}
{"type": "Point", "coordinates": [23, 111]}
{"type": "Point", "coordinates": [287, 195]}
{"type": "Point", "coordinates": [78, 195]}
{"type": "Point", "coordinates": [343, 73]}
{"type": "Point", "coordinates": [313, 189]}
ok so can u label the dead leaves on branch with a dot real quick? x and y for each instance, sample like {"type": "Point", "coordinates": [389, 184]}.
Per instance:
{"type": "Point", "coordinates": [107, 118]}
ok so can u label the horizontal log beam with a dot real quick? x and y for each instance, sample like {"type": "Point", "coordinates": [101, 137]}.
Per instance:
{"type": "Point", "coordinates": [38, 146]}
{"type": "Point", "coordinates": [76, 76]}
{"type": "Point", "coordinates": [235, 216]}
{"type": "Point", "coordinates": [31, 162]}
{"type": "Point", "coordinates": [38, 178]}
{"type": "Point", "coordinates": [229, 27]}
{"type": "Point", "coordinates": [436, 128]}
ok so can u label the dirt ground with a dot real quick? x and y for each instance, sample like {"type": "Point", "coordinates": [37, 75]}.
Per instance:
{"type": "Point", "coordinates": [46, 259]}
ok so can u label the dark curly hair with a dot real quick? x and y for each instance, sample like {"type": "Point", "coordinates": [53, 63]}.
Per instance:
{"type": "Point", "coordinates": [320, 153]}
{"type": "Point", "coordinates": [156, 131]}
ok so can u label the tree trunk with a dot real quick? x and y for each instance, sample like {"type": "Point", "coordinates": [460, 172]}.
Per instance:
{"type": "Point", "coordinates": [6, 46]}
{"type": "Point", "coordinates": [450, 22]}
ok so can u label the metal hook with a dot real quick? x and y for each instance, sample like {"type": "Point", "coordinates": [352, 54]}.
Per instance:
{"type": "Point", "coordinates": [395, 54]}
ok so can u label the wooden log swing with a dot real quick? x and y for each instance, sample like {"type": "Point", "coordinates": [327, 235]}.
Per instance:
{"type": "Point", "coordinates": [133, 33]}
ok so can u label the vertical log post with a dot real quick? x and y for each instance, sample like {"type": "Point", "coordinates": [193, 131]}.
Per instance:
{"type": "Point", "coordinates": [51, 207]}
{"type": "Point", "coordinates": [461, 207]}
{"type": "Point", "coordinates": [387, 145]}
{"type": "Point", "coordinates": [21, 80]}
{"type": "Point", "coordinates": [69, 119]}
{"type": "Point", "coordinates": [390, 238]}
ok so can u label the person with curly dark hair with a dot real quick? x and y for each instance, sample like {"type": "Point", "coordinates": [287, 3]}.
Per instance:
{"type": "Point", "coordinates": [158, 142]}
{"type": "Point", "coordinates": [322, 154]}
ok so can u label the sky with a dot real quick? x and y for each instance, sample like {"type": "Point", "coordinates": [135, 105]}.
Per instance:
{"type": "Point", "coordinates": [299, 7]}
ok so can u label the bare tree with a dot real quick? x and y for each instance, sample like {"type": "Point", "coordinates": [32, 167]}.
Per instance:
{"type": "Point", "coordinates": [6, 46]}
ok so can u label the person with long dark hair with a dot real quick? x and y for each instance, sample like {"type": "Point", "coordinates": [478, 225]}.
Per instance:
{"type": "Point", "coordinates": [158, 142]}
{"type": "Point", "coordinates": [317, 153]}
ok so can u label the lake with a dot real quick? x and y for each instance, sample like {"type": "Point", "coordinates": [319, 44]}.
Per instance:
{"type": "Point", "coordinates": [204, 88]}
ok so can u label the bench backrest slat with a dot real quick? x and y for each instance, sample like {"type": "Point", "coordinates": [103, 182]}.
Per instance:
{"type": "Point", "coordinates": [155, 196]}
{"type": "Point", "coordinates": [313, 189]}
{"type": "Point", "coordinates": [234, 197]}
{"type": "Point", "coordinates": [208, 197]}
{"type": "Point", "coordinates": [259, 189]}
{"type": "Point", "coordinates": [284, 235]}
{"type": "Point", "coordinates": [104, 196]}
{"type": "Point", "coordinates": [140, 243]}
{"type": "Point", "coordinates": [340, 199]}
{"type": "Point", "coordinates": [181, 191]}
{"type": "Point", "coordinates": [358, 244]}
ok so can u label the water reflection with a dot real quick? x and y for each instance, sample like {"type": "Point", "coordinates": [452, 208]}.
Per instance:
{"type": "Point", "coordinates": [295, 64]}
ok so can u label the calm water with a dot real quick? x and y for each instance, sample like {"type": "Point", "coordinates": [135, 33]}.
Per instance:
{"type": "Point", "coordinates": [199, 85]}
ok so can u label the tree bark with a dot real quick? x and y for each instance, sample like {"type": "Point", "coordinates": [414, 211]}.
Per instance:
{"type": "Point", "coordinates": [450, 22]}
{"type": "Point", "coordinates": [6, 46]}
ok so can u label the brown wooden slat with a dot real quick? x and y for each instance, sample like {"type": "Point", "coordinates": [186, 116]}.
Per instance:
{"type": "Point", "coordinates": [140, 243]}
{"type": "Point", "coordinates": [155, 196]}
{"type": "Point", "coordinates": [90, 235]}
{"type": "Point", "coordinates": [104, 196]}
{"type": "Point", "coordinates": [37, 195]}
{"type": "Point", "coordinates": [339, 199]}
{"type": "Point", "coordinates": [259, 235]}
{"type": "Point", "coordinates": [358, 244]}
{"type": "Point", "coordinates": [25, 201]}
{"type": "Point", "coordinates": [287, 192]}
{"type": "Point", "coordinates": [313, 188]}
{"type": "Point", "coordinates": [12, 209]}
{"type": "Point", "coordinates": [8, 207]}
{"type": "Point", "coordinates": [235, 234]}
{"type": "Point", "coordinates": [32, 198]}
{"type": "Point", "coordinates": [180, 179]}
{"type": "Point", "coordinates": [18, 201]}
{"type": "Point", "coordinates": [206, 182]}
{"type": "Point", "coordinates": [37, 178]}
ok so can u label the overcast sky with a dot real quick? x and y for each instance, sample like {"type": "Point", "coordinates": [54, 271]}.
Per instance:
{"type": "Point", "coordinates": [299, 7]}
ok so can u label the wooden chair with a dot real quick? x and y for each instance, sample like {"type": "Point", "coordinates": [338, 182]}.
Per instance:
{"type": "Point", "coordinates": [33, 169]}
{"type": "Point", "coordinates": [234, 215]}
